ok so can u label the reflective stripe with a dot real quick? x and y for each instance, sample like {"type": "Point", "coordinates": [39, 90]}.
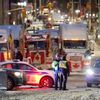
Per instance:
{"type": "Point", "coordinates": [62, 64]}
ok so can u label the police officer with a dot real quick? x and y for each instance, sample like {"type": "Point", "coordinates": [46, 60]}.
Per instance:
{"type": "Point", "coordinates": [64, 73]}
{"type": "Point", "coordinates": [18, 55]}
{"type": "Point", "coordinates": [55, 66]}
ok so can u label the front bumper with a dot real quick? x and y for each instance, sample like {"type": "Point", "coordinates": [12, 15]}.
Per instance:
{"type": "Point", "coordinates": [95, 79]}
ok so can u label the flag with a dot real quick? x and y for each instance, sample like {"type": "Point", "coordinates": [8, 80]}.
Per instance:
{"type": "Point", "coordinates": [11, 41]}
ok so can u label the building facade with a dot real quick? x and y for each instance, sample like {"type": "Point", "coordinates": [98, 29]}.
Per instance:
{"type": "Point", "coordinates": [4, 7]}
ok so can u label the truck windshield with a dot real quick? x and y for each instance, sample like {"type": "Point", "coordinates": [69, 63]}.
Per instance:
{"type": "Point", "coordinates": [74, 44]}
{"type": "Point", "coordinates": [40, 45]}
{"type": "Point", "coordinates": [3, 46]}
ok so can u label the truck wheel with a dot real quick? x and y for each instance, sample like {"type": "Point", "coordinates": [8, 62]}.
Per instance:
{"type": "Point", "coordinates": [10, 84]}
{"type": "Point", "coordinates": [89, 84]}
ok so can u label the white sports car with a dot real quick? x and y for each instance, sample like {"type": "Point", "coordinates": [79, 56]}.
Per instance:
{"type": "Point", "coordinates": [22, 73]}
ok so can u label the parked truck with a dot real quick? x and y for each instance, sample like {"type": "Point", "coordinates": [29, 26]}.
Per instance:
{"type": "Point", "coordinates": [74, 42]}
{"type": "Point", "coordinates": [37, 47]}
{"type": "Point", "coordinates": [5, 49]}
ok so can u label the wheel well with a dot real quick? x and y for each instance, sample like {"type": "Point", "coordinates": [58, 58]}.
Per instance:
{"type": "Point", "coordinates": [10, 77]}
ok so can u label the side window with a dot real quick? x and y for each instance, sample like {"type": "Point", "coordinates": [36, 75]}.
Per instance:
{"type": "Point", "coordinates": [16, 66]}
{"type": "Point", "coordinates": [7, 66]}
{"type": "Point", "coordinates": [25, 67]}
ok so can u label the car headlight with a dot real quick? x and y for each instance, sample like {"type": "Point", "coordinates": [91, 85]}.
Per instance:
{"type": "Point", "coordinates": [89, 57]}
{"type": "Point", "coordinates": [89, 72]}
{"type": "Point", "coordinates": [18, 74]}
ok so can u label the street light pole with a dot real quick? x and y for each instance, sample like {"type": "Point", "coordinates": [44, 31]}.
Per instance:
{"type": "Point", "coordinates": [40, 3]}
{"type": "Point", "coordinates": [72, 10]}
{"type": "Point", "coordinates": [35, 7]}
{"type": "Point", "coordinates": [98, 17]}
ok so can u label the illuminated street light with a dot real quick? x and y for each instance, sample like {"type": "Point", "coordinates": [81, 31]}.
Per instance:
{"type": "Point", "coordinates": [58, 11]}
{"type": "Point", "coordinates": [9, 13]}
{"type": "Point", "coordinates": [77, 11]}
{"type": "Point", "coordinates": [23, 4]}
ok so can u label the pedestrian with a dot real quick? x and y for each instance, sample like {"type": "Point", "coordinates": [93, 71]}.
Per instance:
{"type": "Point", "coordinates": [18, 55]}
{"type": "Point", "coordinates": [64, 72]}
{"type": "Point", "coordinates": [55, 66]}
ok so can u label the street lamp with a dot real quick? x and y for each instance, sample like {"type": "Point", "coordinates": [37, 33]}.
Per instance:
{"type": "Point", "coordinates": [23, 5]}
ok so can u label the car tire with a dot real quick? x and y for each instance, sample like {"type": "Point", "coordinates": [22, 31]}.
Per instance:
{"type": "Point", "coordinates": [46, 82]}
{"type": "Point", "coordinates": [10, 84]}
{"type": "Point", "coordinates": [89, 84]}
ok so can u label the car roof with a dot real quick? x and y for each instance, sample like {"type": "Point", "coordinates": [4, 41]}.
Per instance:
{"type": "Point", "coordinates": [11, 61]}
{"type": "Point", "coordinates": [17, 62]}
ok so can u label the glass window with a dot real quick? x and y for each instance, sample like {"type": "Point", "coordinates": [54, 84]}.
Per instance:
{"type": "Point", "coordinates": [3, 46]}
{"type": "Point", "coordinates": [97, 64]}
{"type": "Point", "coordinates": [7, 66]}
{"type": "Point", "coordinates": [16, 66]}
{"type": "Point", "coordinates": [36, 45]}
{"type": "Point", "coordinates": [75, 44]}
{"type": "Point", "coordinates": [26, 67]}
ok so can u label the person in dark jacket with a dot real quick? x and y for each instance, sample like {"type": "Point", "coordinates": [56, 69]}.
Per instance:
{"type": "Point", "coordinates": [63, 73]}
{"type": "Point", "coordinates": [18, 55]}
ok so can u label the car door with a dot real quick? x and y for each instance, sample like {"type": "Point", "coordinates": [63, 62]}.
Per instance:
{"type": "Point", "coordinates": [30, 74]}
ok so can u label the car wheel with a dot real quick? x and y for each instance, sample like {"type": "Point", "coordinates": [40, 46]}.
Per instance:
{"type": "Point", "coordinates": [10, 84]}
{"type": "Point", "coordinates": [46, 82]}
{"type": "Point", "coordinates": [89, 84]}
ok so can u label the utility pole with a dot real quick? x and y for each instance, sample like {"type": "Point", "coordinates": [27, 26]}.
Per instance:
{"type": "Point", "coordinates": [72, 10]}
{"type": "Point", "coordinates": [40, 3]}
{"type": "Point", "coordinates": [99, 17]}
{"type": "Point", "coordinates": [35, 4]}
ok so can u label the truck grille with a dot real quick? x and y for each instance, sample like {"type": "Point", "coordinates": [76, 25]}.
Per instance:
{"type": "Point", "coordinates": [75, 58]}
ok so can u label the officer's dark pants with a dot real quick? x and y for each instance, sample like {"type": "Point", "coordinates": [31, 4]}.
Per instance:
{"type": "Point", "coordinates": [56, 79]}
{"type": "Point", "coordinates": [63, 78]}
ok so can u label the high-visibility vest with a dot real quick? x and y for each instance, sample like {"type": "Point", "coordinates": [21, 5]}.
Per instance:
{"type": "Point", "coordinates": [55, 65]}
{"type": "Point", "coordinates": [62, 64]}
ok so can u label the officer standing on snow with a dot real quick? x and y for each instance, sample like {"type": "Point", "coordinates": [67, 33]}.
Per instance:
{"type": "Point", "coordinates": [55, 66]}
{"type": "Point", "coordinates": [64, 71]}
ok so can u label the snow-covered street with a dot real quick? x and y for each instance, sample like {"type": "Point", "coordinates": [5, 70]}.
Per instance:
{"type": "Point", "coordinates": [77, 91]}
{"type": "Point", "coordinates": [51, 94]}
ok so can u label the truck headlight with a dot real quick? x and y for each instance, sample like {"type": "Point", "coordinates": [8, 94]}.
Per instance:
{"type": "Point", "coordinates": [89, 72]}
{"type": "Point", "coordinates": [18, 74]}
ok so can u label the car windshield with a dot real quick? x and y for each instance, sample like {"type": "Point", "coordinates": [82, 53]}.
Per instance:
{"type": "Point", "coordinates": [36, 45]}
{"type": "Point", "coordinates": [97, 64]}
{"type": "Point", "coordinates": [3, 46]}
{"type": "Point", "coordinates": [75, 44]}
